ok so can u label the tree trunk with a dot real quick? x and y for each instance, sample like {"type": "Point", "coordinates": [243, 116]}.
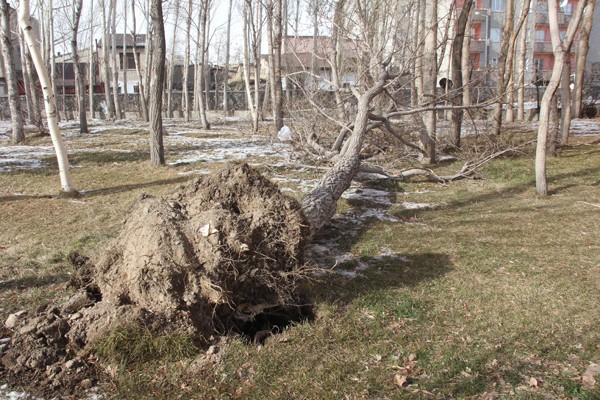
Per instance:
{"type": "Point", "coordinates": [149, 54]}
{"type": "Point", "coordinates": [125, 63]}
{"type": "Point", "coordinates": [142, 87]}
{"type": "Point", "coordinates": [186, 67]}
{"type": "Point", "coordinates": [521, 73]}
{"type": "Point", "coordinates": [457, 56]}
{"type": "Point", "coordinates": [157, 152]}
{"type": "Point", "coordinates": [79, 84]}
{"type": "Point", "coordinates": [52, 52]}
{"type": "Point", "coordinates": [565, 101]}
{"type": "Point", "coordinates": [115, 64]}
{"type": "Point", "coordinates": [110, 108]}
{"type": "Point", "coordinates": [31, 111]}
{"type": "Point", "coordinates": [91, 64]}
{"type": "Point", "coordinates": [49, 99]}
{"type": "Point", "coordinates": [559, 59]}
{"type": "Point", "coordinates": [337, 57]}
{"type": "Point", "coordinates": [320, 204]}
{"type": "Point", "coordinates": [503, 65]}
{"type": "Point", "coordinates": [246, 60]}
{"type": "Point", "coordinates": [171, 70]}
{"type": "Point", "coordinates": [428, 132]}
{"type": "Point", "coordinates": [14, 102]}
{"type": "Point", "coordinates": [227, 55]}
{"type": "Point", "coordinates": [582, 51]}
{"type": "Point", "coordinates": [204, 10]}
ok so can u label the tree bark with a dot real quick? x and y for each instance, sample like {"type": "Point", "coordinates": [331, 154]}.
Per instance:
{"type": "Point", "coordinates": [565, 101]}
{"type": "Point", "coordinates": [115, 64]}
{"type": "Point", "coordinates": [337, 57]}
{"type": "Point", "coordinates": [157, 153]}
{"type": "Point", "coordinates": [521, 73]}
{"type": "Point", "coordinates": [91, 65]}
{"type": "Point", "coordinates": [560, 47]}
{"type": "Point", "coordinates": [428, 133]}
{"type": "Point", "coordinates": [246, 60]}
{"type": "Point", "coordinates": [49, 99]}
{"type": "Point", "coordinates": [277, 42]}
{"type": "Point", "coordinates": [320, 204]}
{"type": "Point", "coordinates": [125, 63]}
{"type": "Point", "coordinates": [31, 111]}
{"type": "Point", "coordinates": [227, 56]}
{"type": "Point", "coordinates": [142, 87]}
{"type": "Point", "coordinates": [503, 64]}
{"type": "Point", "coordinates": [14, 102]}
{"type": "Point", "coordinates": [582, 51]}
{"type": "Point", "coordinates": [457, 55]}
{"type": "Point", "coordinates": [79, 84]}
{"type": "Point", "coordinates": [105, 64]}
{"type": "Point", "coordinates": [171, 69]}
{"type": "Point", "coordinates": [186, 67]}
{"type": "Point", "coordinates": [200, 68]}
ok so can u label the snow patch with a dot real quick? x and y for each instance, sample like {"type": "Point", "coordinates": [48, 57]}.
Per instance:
{"type": "Point", "coordinates": [417, 206]}
{"type": "Point", "coordinates": [372, 195]}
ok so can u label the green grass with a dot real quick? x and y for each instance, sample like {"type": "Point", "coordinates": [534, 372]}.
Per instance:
{"type": "Point", "coordinates": [491, 287]}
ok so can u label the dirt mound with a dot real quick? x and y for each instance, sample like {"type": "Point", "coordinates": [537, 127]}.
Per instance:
{"type": "Point", "coordinates": [212, 257]}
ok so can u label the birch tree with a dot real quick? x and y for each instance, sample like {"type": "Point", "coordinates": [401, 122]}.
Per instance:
{"type": "Point", "coordinates": [115, 64]}
{"type": "Point", "coordinates": [49, 99]}
{"type": "Point", "coordinates": [200, 68]}
{"type": "Point", "coordinates": [157, 152]}
{"type": "Point", "coordinates": [457, 62]}
{"type": "Point", "coordinates": [227, 56]}
{"type": "Point", "coordinates": [110, 109]}
{"type": "Point", "coordinates": [142, 87]}
{"type": "Point", "coordinates": [92, 71]}
{"type": "Point", "coordinates": [429, 74]}
{"type": "Point", "coordinates": [560, 49]}
{"type": "Point", "coordinates": [186, 68]}
{"type": "Point", "coordinates": [14, 102]}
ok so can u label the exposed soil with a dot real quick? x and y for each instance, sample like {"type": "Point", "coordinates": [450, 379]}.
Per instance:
{"type": "Point", "coordinates": [223, 253]}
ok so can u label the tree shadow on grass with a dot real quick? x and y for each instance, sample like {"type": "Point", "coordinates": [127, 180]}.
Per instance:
{"type": "Point", "coordinates": [133, 186]}
{"type": "Point", "coordinates": [101, 157]}
{"type": "Point", "coordinates": [381, 272]}
{"type": "Point", "coordinates": [32, 281]}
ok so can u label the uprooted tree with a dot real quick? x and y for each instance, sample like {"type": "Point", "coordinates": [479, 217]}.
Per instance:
{"type": "Point", "coordinates": [222, 253]}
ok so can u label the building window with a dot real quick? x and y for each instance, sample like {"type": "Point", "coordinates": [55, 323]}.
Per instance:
{"type": "Point", "coordinates": [567, 9]}
{"type": "Point", "coordinates": [495, 34]}
{"type": "Point", "coordinates": [493, 62]}
{"type": "Point", "coordinates": [130, 61]}
{"type": "Point", "coordinates": [538, 64]}
{"type": "Point", "coordinates": [562, 35]}
{"type": "Point", "coordinates": [540, 35]}
{"type": "Point", "coordinates": [498, 5]}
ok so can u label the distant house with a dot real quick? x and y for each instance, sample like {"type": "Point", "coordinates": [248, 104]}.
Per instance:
{"type": "Point", "coordinates": [126, 64]}
{"type": "Point", "coordinates": [299, 56]}
{"type": "Point", "coordinates": [64, 76]}
{"type": "Point", "coordinates": [16, 53]}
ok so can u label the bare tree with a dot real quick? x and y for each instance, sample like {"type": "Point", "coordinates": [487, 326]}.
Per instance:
{"type": "Point", "coordinates": [201, 67]}
{"type": "Point", "coordinates": [561, 48]}
{"type": "Point", "coordinates": [124, 55]}
{"type": "Point", "coordinates": [79, 84]}
{"type": "Point", "coordinates": [247, 23]}
{"type": "Point", "coordinates": [49, 99]}
{"type": "Point", "coordinates": [429, 95]}
{"type": "Point", "coordinates": [18, 134]}
{"type": "Point", "coordinates": [92, 64]}
{"type": "Point", "coordinates": [157, 152]}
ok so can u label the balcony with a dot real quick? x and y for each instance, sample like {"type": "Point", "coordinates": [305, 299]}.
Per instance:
{"type": "Point", "coordinates": [541, 18]}
{"type": "Point", "coordinates": [477, 46]}
{"type": "Point", "coordinates": [542, 47]}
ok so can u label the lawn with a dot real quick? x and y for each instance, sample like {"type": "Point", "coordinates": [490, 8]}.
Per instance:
{"type": "Point", "coordinates": [473, 289]}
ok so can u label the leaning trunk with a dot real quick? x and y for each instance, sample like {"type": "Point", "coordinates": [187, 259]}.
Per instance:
{"type": "Point", "coordinates": [49, 99]}
{"type": "Point", "coordinates": [582, 51]}
{"type": "Point", "coordinates": [457, 55]}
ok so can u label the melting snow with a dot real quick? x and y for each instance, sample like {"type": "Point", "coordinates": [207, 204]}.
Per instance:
{"type": "Point", "coordinates": [372, 195]}
{"type": "Point", "coordinates": [416, 206]}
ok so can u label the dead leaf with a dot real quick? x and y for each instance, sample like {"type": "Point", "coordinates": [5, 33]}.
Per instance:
{"type": "Point", "coordinates": [589, 376]}
{"type": "Point", "coordinates": [400, 380]}
{"type": "Point", "coordinates": [412, 357]}
{"type": "Point", "coordinates": [533, 382]}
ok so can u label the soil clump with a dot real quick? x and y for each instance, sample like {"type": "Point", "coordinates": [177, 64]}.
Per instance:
{"type": "Point", "coordinates": [220, 254]}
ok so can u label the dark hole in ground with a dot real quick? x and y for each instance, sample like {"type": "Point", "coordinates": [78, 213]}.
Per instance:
{"type": "Point", "coordinates": [256, 328]}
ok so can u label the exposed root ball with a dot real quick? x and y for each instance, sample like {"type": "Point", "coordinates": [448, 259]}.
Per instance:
{"type": "Point", "coordinates": [218, 252]}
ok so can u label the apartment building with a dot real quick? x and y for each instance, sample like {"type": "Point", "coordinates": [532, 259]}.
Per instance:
{"type": "Point", "coordinates": [487, 23]}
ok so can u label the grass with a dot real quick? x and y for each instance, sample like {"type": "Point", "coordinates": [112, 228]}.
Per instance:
{"type": "Point", "coordinates": [495, 286]}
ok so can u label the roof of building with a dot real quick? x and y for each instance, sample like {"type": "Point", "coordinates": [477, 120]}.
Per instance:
{"type": "Point", "coordinates": [140, 40]}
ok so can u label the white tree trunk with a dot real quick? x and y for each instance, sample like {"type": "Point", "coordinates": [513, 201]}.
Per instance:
{"type": "Point", "coordinates": [142, 87]}
{"type": "Point", "coordinates": [49, 99]}
{"type": "Point", "coordinates": [227, 56]}
{"type": "Point", "coordinates": [125, 64]}
{"type": "Point", "coordinates": [105, 64]}
{"type": "Point", "coordinates": [115, 63]}
{"type": "Point", "coordinates": [428, 134]}
{"type": "Point", "coordinates": [201, 67]}
{"type": "Point", "coordinates": [91, 64]}
{"type": "Point", "coordinates": [560, 47]}
{"type": "Point", "coordinates": [171, 69]}
{"type": "Point", "coordinates": [186, 68]}
{"type": "Point", "coordinates": [246, 60]}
